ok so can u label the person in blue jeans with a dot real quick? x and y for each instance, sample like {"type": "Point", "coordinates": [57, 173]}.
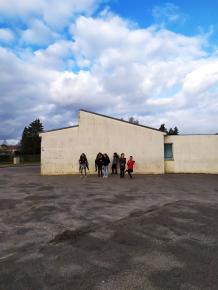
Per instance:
{"type": "Point", "coordinates": [83, 164]}
{"type": "Point", "coordinates": [106, 161]}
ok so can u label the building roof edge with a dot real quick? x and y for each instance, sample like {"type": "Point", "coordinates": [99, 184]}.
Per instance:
{"type": "Point", "coordinates": [124, 121]}
{"type": "Point", "coordinates": [58, 129]}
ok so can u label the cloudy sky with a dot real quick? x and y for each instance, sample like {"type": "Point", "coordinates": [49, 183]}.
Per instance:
{"type": "Point", "coordinates": [154, 60]}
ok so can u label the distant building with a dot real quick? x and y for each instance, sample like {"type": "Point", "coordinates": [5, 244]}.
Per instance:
{"type": "Point", "coordinates": [10, 149]}
{"type": "Point", "coordinates": [153, 151]}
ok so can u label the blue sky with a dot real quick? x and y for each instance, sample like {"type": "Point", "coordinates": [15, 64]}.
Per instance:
{"type": "Point", "coordinates": [154, 60]}
{"type": "Point", "coordinates": [197, 14]}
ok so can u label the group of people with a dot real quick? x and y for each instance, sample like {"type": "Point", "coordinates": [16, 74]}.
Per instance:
{"type": "Point", "coordinates": [102, 162]}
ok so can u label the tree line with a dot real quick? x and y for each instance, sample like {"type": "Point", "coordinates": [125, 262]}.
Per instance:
{"type": "Point", "coordinates": [30, 143]}
{"type": "Point", "coordinates": [171, 131]}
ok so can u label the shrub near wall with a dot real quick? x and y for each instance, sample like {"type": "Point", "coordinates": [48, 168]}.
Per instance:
{"type": "Point", "coordinates": [6, 158]}
{"type": "Point", "coordinates": [30, 158]}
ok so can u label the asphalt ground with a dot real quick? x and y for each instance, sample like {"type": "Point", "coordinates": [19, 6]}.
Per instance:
{"type": "Point", "coordinates": [149, 233]}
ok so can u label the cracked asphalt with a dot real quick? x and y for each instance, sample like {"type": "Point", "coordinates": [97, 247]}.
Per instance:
{"type": "Point", "coordinates": [154, 232]}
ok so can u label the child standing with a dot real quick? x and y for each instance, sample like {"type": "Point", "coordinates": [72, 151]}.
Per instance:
{"type": "Point", "coordinates": [130, 165]}
{"type": "Point", "coordinates": [122, 162]}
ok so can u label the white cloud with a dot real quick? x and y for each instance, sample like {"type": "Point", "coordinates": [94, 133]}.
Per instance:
{"type": "Point", "coordinates": [168, 13]}
{"type": "Point", "coordinates": [54, 13]}
{"type": "Point", "coordinates": [94, 36]}
{"type": "Point", "coordinates": [202, 78]}
{"type": "Point", "coordinates": [6, 35]}
{"type": "Point", "coordinates": [10, 141]}
{"type": "Point", "coordinates": [23, 87]}
{"type": "Point", "coordinates": [38, 33]}
{"type": "Point", "coordinates": [79, 90]}
{"type": "Point", "coordinates": [56, 56]}
{"type": "Point", "coordinates": [41, 22]}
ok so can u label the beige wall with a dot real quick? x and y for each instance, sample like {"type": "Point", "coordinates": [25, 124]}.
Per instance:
{"type": "Point", "coordinates": [58, 151]}
{"type": "Point", "coordinates": [61, 149]}
{"type": "Point", "coordinates": [193, 154]}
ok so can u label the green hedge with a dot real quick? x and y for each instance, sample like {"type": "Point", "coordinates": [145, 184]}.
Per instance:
{"type": "Point", "coordinates": [8, 158]}
{"type": "Point", "coordinates": [29, 158]}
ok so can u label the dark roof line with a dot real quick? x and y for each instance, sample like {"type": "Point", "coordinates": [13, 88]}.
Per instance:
{"type": "Point", "coordinates": [124, 121]}
{"type": "Point", "coordinates": [60, 129]}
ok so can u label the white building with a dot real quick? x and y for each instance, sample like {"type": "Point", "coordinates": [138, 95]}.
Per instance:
{"type": "Point", "coordinates": [153, 151]}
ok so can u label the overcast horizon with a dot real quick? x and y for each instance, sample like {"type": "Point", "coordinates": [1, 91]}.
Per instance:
{"type": "Point", "coordinates": [155, 61]}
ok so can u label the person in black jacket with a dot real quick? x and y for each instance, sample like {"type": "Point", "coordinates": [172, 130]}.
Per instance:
{"type": "Point", "coordinates": [115, 163]}
{"type": "Point", "coordinates": [106, 161]}
{"type": "Point", "coordinates": [83, 164]}
{"type": "Point", "coordinates": [99, 164]}
{"type": "Point", "coordinates": [122, 162]}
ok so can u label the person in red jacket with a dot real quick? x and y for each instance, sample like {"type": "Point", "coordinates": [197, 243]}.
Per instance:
{"type": "Point", "coordinates": [130, 165]}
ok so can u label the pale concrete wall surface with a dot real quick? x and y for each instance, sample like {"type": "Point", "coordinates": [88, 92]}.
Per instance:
{"type": "Point", "coordinates": [193, 154]}
{"type": "Point", "coordinates": [58, 149]}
